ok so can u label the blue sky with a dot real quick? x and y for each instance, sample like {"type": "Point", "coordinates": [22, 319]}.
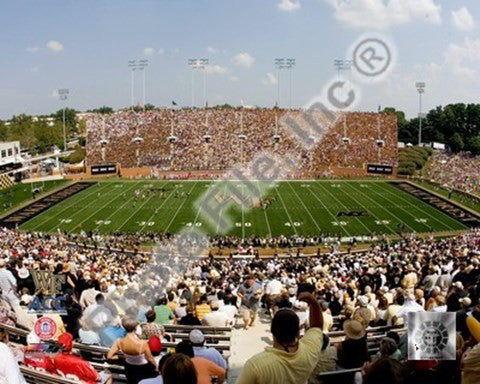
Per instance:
{"type": "Point", "coordinates": [84, 45]}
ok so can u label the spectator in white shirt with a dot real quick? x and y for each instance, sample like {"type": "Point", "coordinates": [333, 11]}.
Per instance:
{"type": "Point", "coordinates": [8, 283]}
{"type": "Point", "coordinates": [215, 318]}
{"type": "Point", "coordinates": [9, 370]}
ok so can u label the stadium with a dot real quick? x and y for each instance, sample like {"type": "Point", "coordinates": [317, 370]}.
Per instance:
{"type": "Point", "coordinates": [223, 243]}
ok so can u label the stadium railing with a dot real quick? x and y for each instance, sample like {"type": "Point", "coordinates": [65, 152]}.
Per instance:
{"type": "Point", "coordinates": [38, 377]}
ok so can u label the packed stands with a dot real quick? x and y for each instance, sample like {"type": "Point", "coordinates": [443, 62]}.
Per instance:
{"type": "Point", "coordinates": [460, 171]}
{"type": "Point", "coordinates": [363, 297]}
{"type": "Point", "coordinates": [217, 139]}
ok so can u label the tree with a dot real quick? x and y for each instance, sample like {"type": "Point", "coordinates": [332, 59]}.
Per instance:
{"type": "Point", "coordinates": [47, 136]}
{"type": "Point", "coordinates": [3, 131]}
{"type": "Point", "coordinates": [70, 119]}
{"type": "Point", "coordinates": [149, 107]}
{"type": "Point", "coordinates": [103, 110]}
{"type": "Point", "coordinates": [456, 142]}
{"type": "Point", "coordinates": [473, 145]}
{"type": "Point", "coordinates": [21, 129]}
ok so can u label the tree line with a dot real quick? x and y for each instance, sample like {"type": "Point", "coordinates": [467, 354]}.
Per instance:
{"type": "Point", "coordinates": [40, 133]}
{"type": "Point", "coordinates": [456, 125]}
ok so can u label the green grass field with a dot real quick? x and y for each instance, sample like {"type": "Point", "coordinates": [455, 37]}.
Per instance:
{"type": "Point", "coordinates": [299, 207]}
{"type": "Point", "coordinates": [22, 193]}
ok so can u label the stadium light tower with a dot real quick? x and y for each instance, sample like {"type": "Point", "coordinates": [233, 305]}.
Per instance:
{"type": "Point", "coordinates": [203, 66]}
{"type": "Point", "coordinates": [420, 85]}
{"type": "Point", "coordinates": [142, 65]}
{"type": "Point", "coordinates": [132, 64]}
{"type": "Point", "coordinates": [63, 94]}
{"type": "Point", "coordinates": [343, 65]}
{"type": "Point", "coordinates": [279, 64]}
{"type": "Point", "coordinates": [196, 64]}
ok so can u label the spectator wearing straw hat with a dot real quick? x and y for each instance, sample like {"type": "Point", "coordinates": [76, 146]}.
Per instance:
{"type": "Point", "coordinates": [353, 351]}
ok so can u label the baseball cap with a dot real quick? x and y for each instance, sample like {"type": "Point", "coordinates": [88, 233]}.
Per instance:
{"type": "Point", "coordinates": [66, 341]}
{"type": "Point", "coordinates": [196, 337]}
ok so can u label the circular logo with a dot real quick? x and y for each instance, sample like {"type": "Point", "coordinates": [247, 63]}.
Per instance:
{"type": "Point", "coordinates": [372, 57]}
{"type": "Point", "coordinates": [45, 328]}
{"type": "Point", "coordinates": [431, 337]}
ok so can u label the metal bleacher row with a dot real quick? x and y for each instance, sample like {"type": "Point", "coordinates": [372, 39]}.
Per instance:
{"type": "Point", "coordinates": [216, 337]}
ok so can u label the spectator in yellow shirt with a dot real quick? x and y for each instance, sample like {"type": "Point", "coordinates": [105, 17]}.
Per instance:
{"type": "Point", "coordinates": [292, 359]}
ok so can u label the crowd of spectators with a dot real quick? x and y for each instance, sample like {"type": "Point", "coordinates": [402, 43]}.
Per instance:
{"type": "Point", "coordinates": [105, 305]}
{"type": "Point", "coordinates": [217, 139]}
{"type": "Point", "coordinates": [459, 171]}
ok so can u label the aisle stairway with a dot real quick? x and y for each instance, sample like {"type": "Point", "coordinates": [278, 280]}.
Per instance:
{"type": "Point", "coordinates": [247, 343]}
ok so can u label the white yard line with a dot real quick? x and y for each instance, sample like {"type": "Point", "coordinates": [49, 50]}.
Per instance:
{"type": "Point", "coordinates": [286, 211]}
{"type": "Point", "coordinates": [96, 212]}
{"type": "Point", "coordinates": [155, 211]}
{"type": "Point", "coordinates": [178, 209]}
{"type": "Point", "coordinates": [345, 207]}
{"type": "Point", "coordinates": [95, 190]}
{"type": "Point", "coordinates": [419, 208]}
{"type": "Point", "coordinates": [330, 213]}
{"type": "Point", "coordinates": [372, 207]}
{"type": "Point", "coordinates": [305, 207]}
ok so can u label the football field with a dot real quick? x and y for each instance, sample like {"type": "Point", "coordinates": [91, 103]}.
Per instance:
{"type": "Point", "coordinates": [321, 207]}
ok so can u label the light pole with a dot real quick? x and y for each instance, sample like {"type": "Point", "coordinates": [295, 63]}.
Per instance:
{"type": "Point", "coordinates": [132, 64]}
{"type": "Point", "coordinates": [63, 94]}
{"type": "Point", "coordinates": [203, 66]}
{"type": "Point", "coordinates": [197, 64]}
{"type": "Point", "coordinates": [279, 64]}
{"type": "Point", "coordinates": [142, 65]}
{"type": "Point", "coordinates": [343, 65]}
{"type": "Point", "coordinates": [421, 90]}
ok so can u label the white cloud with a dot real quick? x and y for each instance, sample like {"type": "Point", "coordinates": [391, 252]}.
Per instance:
{"type": "Point", "coordinates": [288, 5]}
{"type": "Point", "coordinates": [212, 50]}
{"type": "Point", "coordinates": [463, 19]}
{"type": "Point", "coordinates": [270, 79]}
{"type": "Point", "coordinates": [33, 49]}
{"type": "Point", "coordinates": [149, 51]}
{"type": "Point", "coordinates": [243, 59]}
{"type": "Point", "coordinates": [463, 59]}
{"type": "Point", "coordinates": [161, 51]}
{"type": "Point", "coordinates": [233, 78]}
{"type": "Point", "coordinates": [382, 14]}
{"type": "Point", "coordinates": [54, 46]}
{"type": "Point", "coordinates": [216, 70]}
{"type": "Point", "coordinates": [54, 94]}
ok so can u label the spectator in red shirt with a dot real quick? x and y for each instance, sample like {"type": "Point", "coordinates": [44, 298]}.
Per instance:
{"type": "Point", "coordinates": [66, 363]}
